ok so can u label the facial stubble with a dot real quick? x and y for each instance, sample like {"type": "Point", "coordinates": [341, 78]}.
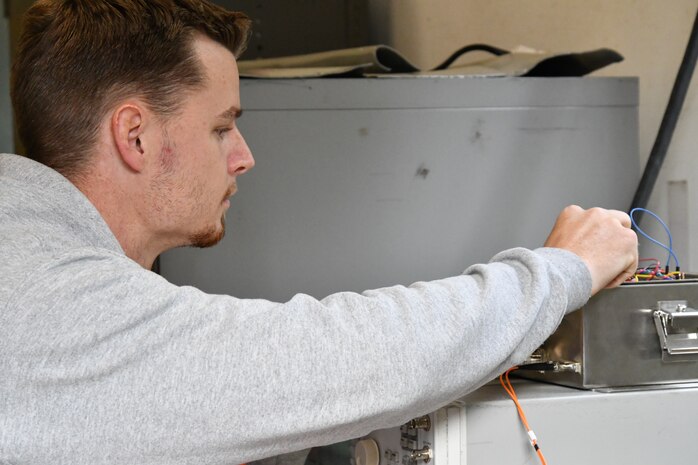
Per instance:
{"type": "Point", "coordinates": [209, 235]}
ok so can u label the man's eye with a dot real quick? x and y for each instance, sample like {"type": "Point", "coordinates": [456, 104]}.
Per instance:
{"type": "Point", "coordinates": [220, 132]}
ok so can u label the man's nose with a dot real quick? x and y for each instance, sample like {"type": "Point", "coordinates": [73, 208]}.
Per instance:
{"type": "Point", "coordinates": [240, 160]}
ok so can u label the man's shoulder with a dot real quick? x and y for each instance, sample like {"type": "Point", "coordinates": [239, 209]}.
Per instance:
{"type": "Point", "coordinates": [67, 288]}
{"type": "Point", "coordinates": [19, 166]}
{"type": "Point", "coordinates": [36, 272]}
{"type": "Point", "coordinates": [41, 210]}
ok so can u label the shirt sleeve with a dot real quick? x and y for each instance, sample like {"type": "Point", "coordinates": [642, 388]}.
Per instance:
{"type": "Point", "coordinates": [111, 361]}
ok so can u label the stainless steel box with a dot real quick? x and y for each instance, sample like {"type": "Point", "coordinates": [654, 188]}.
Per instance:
{"type": "Point", "coordinates": [639, 335]}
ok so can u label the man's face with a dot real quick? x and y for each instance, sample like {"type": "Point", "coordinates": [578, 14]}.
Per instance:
{"type": "Point", "coordinates": [203, 153]}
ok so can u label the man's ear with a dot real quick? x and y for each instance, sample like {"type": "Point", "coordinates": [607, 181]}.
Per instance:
{"type": "Point", "coordinates": [127, 127]}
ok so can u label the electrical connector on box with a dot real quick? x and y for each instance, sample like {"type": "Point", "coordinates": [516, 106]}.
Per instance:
{"type": "Point", "coordinates": [552, 366]}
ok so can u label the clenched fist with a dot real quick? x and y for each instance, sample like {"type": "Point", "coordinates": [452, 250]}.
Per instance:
{"type": "Point", "coordinates": [602, 239]}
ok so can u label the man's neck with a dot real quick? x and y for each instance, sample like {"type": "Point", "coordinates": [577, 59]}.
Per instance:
{"type": "Point", "coordinates": [128, 225]}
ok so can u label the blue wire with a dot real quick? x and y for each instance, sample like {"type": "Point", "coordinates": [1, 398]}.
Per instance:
{"type": "Point", "coordinates": [666, 228]}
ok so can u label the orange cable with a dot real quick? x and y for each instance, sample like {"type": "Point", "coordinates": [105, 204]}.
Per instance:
{"type": "Point", "coordinates": [509, 388]}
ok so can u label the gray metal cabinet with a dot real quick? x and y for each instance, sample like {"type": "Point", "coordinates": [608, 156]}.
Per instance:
{"type": "Point", "coordinates": [363, 183]}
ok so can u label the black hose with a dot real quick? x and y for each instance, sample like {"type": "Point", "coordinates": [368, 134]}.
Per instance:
{"type": "Point", "coordinates": [666, 129]}
{"type": "Point", "coordinates": [471, 48]}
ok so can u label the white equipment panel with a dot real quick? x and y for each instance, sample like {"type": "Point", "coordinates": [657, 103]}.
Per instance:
{"type": "Point", "coordinates": [573, 427]}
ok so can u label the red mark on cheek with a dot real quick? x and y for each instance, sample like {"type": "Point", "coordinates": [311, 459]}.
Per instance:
{"type": "Point", "coordinates": [167, 159]}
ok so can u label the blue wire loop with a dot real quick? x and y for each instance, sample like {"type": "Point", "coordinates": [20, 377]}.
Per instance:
{"type": "Point", "coordinates": [668, 248]}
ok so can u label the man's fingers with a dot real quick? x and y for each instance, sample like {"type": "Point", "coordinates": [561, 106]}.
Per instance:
{"type": "Point", "coordinates": [602, 239]}
{"type": "Point", "coordinates": [623, 277]}
{"type": "Point", "coordinates": [623, 217]}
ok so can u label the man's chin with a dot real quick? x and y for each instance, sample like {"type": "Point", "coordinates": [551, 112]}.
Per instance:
{"type": "Point", "coordinates": [208, 237]}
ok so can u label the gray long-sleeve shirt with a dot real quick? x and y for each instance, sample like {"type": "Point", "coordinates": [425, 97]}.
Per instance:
{"type": "Point", "coordinates": [104, 362]}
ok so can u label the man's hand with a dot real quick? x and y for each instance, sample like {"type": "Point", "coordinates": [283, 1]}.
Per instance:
{"type": "Point", "coordinates": [602, 239]}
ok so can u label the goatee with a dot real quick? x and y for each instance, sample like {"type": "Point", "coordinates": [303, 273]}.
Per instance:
{"type": "Point", "coordinates": [208, 237]}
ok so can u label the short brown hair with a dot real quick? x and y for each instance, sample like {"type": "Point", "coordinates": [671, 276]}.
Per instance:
{"type": "Point", "coordinates": [78, 57]}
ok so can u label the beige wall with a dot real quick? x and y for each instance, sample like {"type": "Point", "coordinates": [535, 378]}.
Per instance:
{"type": "Point", "coordinates": [650, 34]}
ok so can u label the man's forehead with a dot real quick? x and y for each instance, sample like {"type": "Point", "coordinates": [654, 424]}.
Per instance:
{"type": "Point", "coordinates": [222, 82]}
{"type": "Point", "coordinates": [214, 56]}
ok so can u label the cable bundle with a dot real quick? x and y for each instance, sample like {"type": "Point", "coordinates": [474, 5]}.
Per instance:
{"type": "Point", "coordinates": [654, 271]}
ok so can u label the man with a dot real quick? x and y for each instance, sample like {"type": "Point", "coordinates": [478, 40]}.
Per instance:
{"type": "Point", "coordinates": [128, 110]}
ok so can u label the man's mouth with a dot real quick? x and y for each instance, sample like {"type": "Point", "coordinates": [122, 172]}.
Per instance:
{"type": "Point", "coordinates": [229, 193]}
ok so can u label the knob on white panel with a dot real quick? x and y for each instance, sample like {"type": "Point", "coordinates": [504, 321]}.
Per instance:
{"type": "Point", "coordinates": [366, 452]}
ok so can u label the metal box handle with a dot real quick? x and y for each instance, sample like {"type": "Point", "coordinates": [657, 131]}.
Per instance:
{"type": "Point", "coordinates": [677, 328]}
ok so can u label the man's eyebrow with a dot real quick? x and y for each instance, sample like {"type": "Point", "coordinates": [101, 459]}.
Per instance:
{"type": "Point", "coordinates": [231, 113]}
